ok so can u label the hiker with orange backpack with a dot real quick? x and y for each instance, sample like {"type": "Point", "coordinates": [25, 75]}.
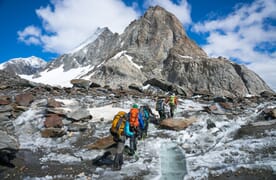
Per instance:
{"type": "Point", "coordinates": [136, 126]}
{"type": "Point", "coordinates": [120, 130]}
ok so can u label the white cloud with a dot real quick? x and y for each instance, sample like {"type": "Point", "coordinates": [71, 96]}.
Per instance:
{"type": "Point", "coordinates": [245, 34]}
{"type": "Point", "coordinates": [67, 23]}
{"type": "Point", "coordinates": [182, 10]}
{"type": "Point", "coordinates": [266, 71]}
{"type": "Point", "coordinates": [30, 35]}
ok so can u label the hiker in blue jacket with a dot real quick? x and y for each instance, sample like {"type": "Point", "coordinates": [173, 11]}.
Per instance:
{"type": "Point", "coordinates": [146, 113]}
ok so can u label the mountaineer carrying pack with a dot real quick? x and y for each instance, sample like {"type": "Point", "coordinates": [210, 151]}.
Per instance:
{"type": "Point", "coordinates": [118, 124]}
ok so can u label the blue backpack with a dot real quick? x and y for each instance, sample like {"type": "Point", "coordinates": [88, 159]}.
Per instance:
{"type": "Point", "coordinates": [160, 105]}
{"type": "Point", "coordinates": [144, 112]}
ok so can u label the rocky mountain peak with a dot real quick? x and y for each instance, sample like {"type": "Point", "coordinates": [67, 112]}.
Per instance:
{"type": "Point", "coordinates": [87, 53]}
{"type": "Point", "coordinates": [160, 32]}
{"type": "Point", "coordinates": [156, 48]}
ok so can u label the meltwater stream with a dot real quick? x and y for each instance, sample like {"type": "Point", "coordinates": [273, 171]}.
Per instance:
{"type": "Point", "coordinates": [173, 163]}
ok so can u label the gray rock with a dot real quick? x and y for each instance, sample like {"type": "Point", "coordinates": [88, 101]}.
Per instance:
{"type": "Point", "coordinates": [135, 87]}
{"type": "Point", "coordinates": [5, 116]}
{"type": "Point", "coordinates": [76, 127]}
{"type": "Point", "coordinates": [6, 108]}
{"type": "Point", "coordinates": [82, 83]}
{"type": "Point", "coordinates": [8, 142]}
{"type": "Point", "coordinates": [59, 111]}
{"type": "Point", "coordinates": [256, 129]}
{"type": "Point", "coordinates": [210, 124]}
{"type": "Point", "coordinates": [79, 115]}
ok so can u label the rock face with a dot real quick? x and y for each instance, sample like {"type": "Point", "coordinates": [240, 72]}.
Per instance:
{"type": "Point", "coordinates": [139, 52]}
{"type": "Point", "coordinates": [157, 47]}
{"type": "Point", "coordinates": [218, 76]}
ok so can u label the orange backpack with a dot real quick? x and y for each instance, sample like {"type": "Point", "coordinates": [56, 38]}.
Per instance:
{"type": "Point", "coordinates": [133, 117]}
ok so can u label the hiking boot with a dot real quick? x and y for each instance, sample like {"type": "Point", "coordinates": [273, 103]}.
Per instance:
{"type": "Point", "coordinates": [116, 168]}
{"type": "Point", "coordinates": [131, 152]}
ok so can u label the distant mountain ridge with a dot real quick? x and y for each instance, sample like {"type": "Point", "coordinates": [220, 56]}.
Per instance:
{"type": "Point", "coordinates": [153, 47]}
{"type": "Point", "coordinates": [26, 66]}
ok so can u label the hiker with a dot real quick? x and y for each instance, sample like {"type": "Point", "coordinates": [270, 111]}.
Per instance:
{"type": "Point", "coordinates": [136, 126]}
{"type": "Point", "coordinates": [146, 114]}
{"type": "Point", "coordinates": [160, 107]}
{"type": "Point", "coordinates": [172, 101]}
{"type": "Point", "coordinates": [120, 130]}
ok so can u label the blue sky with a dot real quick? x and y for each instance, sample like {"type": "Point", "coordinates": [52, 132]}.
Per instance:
{"type": "Point", "coordinates": [241, 30]}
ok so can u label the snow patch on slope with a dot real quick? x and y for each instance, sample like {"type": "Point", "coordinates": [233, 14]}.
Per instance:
{"type": "Point", "coordinates": [129, 58]}
{"type": "Point", "coordinates": [57, 77]}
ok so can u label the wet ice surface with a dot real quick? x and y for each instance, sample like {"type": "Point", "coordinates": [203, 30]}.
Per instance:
{"type": "Point", "coordinates": [207, 151]}
{"type": "Point", "coordinates": [173, 164]}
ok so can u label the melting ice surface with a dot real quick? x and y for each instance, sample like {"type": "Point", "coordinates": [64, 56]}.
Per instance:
{"type": "Point", "coordinates": [173, 164]}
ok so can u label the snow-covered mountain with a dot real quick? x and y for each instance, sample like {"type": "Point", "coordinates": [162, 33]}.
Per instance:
{"type": "Point", "coordinates": [153, 47]}
{"type": "Point", "coordinates": [26, 66]}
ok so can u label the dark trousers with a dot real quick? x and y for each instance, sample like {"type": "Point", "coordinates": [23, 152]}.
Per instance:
{"type": "Point", "coordinates": [118, 159]}
{"type": "Point", "coordinates": [133, 144]}
{"type": "Point", "coordinates": [146, 126]}
{"type": "Point", "coordinates": [172, 109]}
{"type": "Point", "coordinates": [162, 115]}
{"type": "Point", "coordinates": [133, 139]}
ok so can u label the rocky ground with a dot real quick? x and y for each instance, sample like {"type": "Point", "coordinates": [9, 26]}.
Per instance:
{"type": "Point", "coordinates": [55, 133]}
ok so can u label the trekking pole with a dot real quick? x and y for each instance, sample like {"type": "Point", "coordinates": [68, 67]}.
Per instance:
{"type": "Point", "coordinates": [144, 144]}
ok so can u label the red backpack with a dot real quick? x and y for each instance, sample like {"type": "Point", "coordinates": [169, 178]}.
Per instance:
{"type": "Point", "coordinates": [133, 117]}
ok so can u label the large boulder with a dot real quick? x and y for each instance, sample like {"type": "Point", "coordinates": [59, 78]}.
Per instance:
{"type": "Point", "coordinates": [24, 99]}
{"type": "Point", "coordinates": [102, 143]}
{"type": "Point", "coordinates": [52, 103]}
{"type": "Point", "coordinates": [177, 124]}
{"type": "Point", "coordinates": [81, 83]}
{"type": "Point", "coordinates": [168, 86]}
{"type": "Point", "coordinates": [52, 132]}
{"type": "Point", "coordinates": [53, 121]}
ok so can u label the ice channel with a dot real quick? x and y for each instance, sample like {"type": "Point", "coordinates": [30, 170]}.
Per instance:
{"type": "Point", "coordinates": [173, 162]}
